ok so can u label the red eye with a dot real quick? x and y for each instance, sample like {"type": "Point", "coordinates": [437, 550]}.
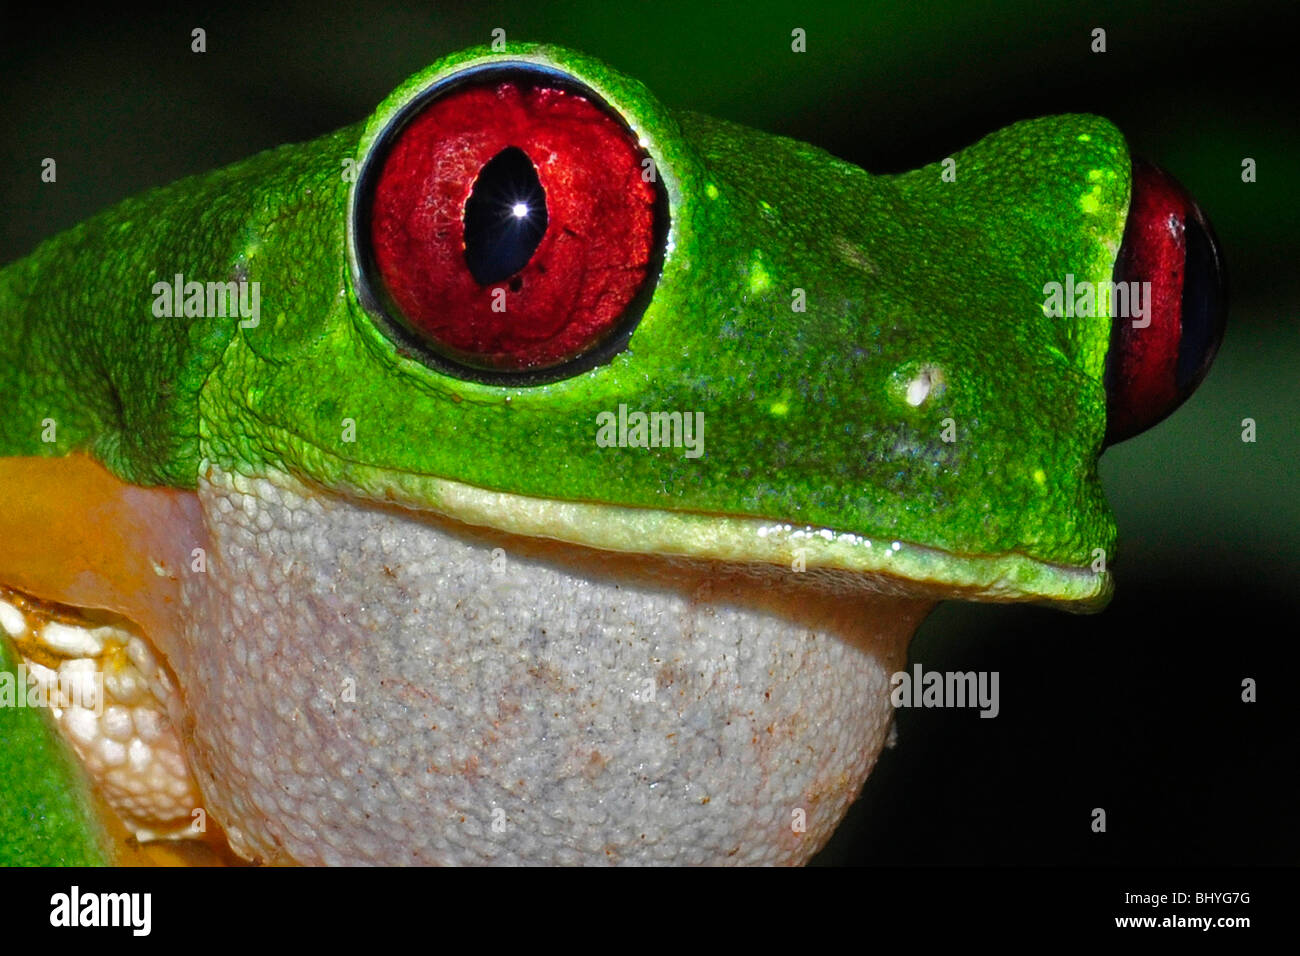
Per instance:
{"type": "Point", "coordinates": [509, 224]}
{"type": "Point", "coordinates": [1171, 259]}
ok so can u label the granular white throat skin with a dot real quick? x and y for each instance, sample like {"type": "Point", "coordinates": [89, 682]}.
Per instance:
{"type": "Point", "coordinates": [364, 684]}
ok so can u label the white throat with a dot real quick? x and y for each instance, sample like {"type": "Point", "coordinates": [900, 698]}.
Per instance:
{"type": "Point", "coordinates": [364, 684]}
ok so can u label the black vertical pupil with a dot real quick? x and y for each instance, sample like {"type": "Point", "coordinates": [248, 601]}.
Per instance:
{"type": "Point", "coordinates": [505, 217]}
{"type": "Point", "coordinates": [1204, 306]}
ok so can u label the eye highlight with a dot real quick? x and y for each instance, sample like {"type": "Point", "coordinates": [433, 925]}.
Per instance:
{"type": "Point", "coordinates": [505, 231]}
{"type": "Point", "coordinates": [505, 217]}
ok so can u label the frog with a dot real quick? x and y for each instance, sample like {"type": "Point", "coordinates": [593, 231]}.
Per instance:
{"type": "Point", "coordinates": [533, 473]}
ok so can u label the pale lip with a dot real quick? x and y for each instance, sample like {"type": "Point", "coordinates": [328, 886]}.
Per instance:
{"type": "Point", "coordinates": [843, 560]}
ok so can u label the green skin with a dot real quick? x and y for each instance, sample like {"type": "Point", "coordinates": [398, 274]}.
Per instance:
{"type": "Point", "coordinates": [808, 422]}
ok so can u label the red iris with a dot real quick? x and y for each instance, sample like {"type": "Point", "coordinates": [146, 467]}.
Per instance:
{"type": "Point", "coordinates": [582, 259]}
{"type": "Point", "coordinates": [1156, 362]}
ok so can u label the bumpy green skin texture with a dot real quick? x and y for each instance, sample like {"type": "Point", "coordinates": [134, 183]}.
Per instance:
{"type": "Point", "coordinates": [45, 805]}
{"type": "Point", "coordinates": [81, 344]}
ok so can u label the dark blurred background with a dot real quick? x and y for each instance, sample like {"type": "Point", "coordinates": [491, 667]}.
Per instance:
{"type": "Point", "coordinates": [1137, 709]}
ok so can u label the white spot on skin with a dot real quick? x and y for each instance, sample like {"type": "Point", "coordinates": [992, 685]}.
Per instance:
{"type": "Point", "coordinates": [11, 619]}
{"type": "Point", "coordinates": [82, 726]}
{"type": "Point", "coordinates": [111, 752]}
{"type": "Point", "coordinates": [117, 723]}
{"type": "Point", "coordinates": [918, 389]}
{"type": "Point", "coordinates": [79, 678]}
{"type": "Point", "coordinates": [927, 382]}
{"type": "Point", "coordinates": [71, 641]}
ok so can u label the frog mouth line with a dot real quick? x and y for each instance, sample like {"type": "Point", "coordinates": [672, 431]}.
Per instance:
{"type": "Point", "coordinates": [836, 560]}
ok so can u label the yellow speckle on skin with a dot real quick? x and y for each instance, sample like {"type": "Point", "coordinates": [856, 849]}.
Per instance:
{"type": "Point", "coordinates": [1085, 137]}
{"type": "Point", "coordinates": [1090, 202]}
{"type": "Point", "coordinates": [854, 255]}
{"type": "Point", "coordinates": [765, 205]}
{"type": "Point", "coordinates": [780, 408]}
{"type": "Point", "coordinates": [1040, 476]}
{"type": "Point", "coordinates": [1094, 175]}
{"type": "Point", "coordinates": [711, 190]}
{"type": "Point", "coordinates": [759, 280]}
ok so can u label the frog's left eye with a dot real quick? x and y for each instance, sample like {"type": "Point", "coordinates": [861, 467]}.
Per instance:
{"type": "Point", "coordinates": [508, 226]}
{"type": "Point", "coordinates": [1171, 260]}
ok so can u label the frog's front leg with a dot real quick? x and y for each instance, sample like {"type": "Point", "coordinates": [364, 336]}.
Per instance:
{"type": "Point", "coordinates": [89, 573]}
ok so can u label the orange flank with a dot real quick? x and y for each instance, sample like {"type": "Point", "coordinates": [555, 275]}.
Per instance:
{"type": "Point", "coordinates": [76, 534]}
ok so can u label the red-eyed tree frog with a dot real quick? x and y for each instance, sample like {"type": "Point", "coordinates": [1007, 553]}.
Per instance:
{"type": "Point", "coordinates": [531, 473]}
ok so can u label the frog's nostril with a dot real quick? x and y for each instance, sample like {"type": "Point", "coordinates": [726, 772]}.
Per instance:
{"type": "Point", "coordinates": [1162, 345]}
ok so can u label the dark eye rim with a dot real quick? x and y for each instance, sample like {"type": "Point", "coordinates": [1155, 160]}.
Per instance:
{"type": "Point", "coordinates": [384, 312]}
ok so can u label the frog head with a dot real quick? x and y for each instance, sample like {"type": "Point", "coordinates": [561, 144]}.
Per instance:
{"type": "Point", "coordinates": [892, 377]}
